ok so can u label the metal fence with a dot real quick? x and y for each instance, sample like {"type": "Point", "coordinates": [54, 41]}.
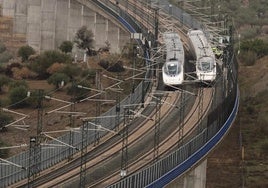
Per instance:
{"type": "Point", "coordinates": [219, 119]}
{"type": "Point", "coordinates": [214, 125]}
{"type": "Point", "coordinates": [50, 156]}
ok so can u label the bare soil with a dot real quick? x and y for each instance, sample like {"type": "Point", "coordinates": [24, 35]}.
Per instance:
{"type": "Point", "coordinates": [229, 165]}
{"type": "Point", "coordinates": [52, 121]}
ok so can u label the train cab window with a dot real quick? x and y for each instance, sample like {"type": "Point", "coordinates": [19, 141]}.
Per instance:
{"type": "Point", "coordinates": [172, 68]}
{"type": "Point", "coordinates": [206, 64]}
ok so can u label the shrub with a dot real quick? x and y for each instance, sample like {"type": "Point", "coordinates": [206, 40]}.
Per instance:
{"type": "Point", "coordinates": [71, 70]}
{"type": "Point", "coordinates": [22, 73]}
{"type": "Point", "coordinates": [57, 79]}
{"type": "Point", "coordinates": [248, 58]}
{"type": "Point", "coordinates": [17, 96]}
{"type": "Point", "coordinates": [66, 46]}
{"type": "Point", "coordinates": [258, 46]}
{"type": "Point", "coordinates": [5, 57]}
{"type": "Point", "coordinates": [116, 67]}
{"type": "Point", "coordinates": [79, 93]}
{"type": "Point", "coordinates": [104, 63]}
{"type": "Point", "coordinates": [89, 73]}
{"type": "Point", "coordinates": [46, 59]}
{"type": "Point", "coordinates": [10, 67]}
{"type": "Point", "coordinates": [56, 67]}
{"type": "Point", "coordinates": [18, 83]}
{"type": "Point", "coordinates": [25, 52]}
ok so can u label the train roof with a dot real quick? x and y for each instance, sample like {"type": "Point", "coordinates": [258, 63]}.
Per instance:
{"type": "Point", "coordinates": [199, 42]}
{"type": "Point", "coordinates": [174, 46]}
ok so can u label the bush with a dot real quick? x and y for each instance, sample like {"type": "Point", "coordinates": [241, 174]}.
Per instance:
{"type": "Point", "coordinates": [257, 46]}
{"type": "Point", "coordinates": [57, 79]}
{"type": "Point", "coordinates": [25, 52]}
{"type": "Point", "coordinates": [10, 67]}
{"type": "Point", "coordinates": [17, 96]}
{"type": "Point", "coordinates": [56, 67]}
{"type": "Point", "coordinates": [248, 58]}
{"type": "Point", "coordinates": [66, 46]}
{"type": "Point", "coordinates": [23, 73]}
{"type": "Point", "coordinates": [17, 83]}
{"type": "Point", "coordinates": [89, 73]}
{"type": "Point", "coordinates": [71, 70]}
{"type": "Point", "coordinates": [116, 67]}
{"type": "Point", "coordinates": [5, 57]}
{"type": "Point", "coordinates": [104, 63]}
{"type": "Point", "coordinates": [46, 59]}
{"type": "Point", "coordinates": [79, 93]}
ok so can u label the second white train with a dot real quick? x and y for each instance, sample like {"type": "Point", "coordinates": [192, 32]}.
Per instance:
{"type": "Point", "coordinates": [205, 58]}
{"type": "Point", "coordinates": [173, 68]}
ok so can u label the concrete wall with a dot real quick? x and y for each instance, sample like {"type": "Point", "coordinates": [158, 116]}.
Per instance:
{"type": "Point", "coordinates": [47, 23]}
{"type": "Point", "coordinates": [195, 178]}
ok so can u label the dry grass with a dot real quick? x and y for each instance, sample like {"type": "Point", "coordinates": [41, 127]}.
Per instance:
{"type": "Point", "coordinates": [253, 113]}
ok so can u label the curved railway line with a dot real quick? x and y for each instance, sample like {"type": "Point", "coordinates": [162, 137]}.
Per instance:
{"type": "Point", "coordinates": [141, 130]}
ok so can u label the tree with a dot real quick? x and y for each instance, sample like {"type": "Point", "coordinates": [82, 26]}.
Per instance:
{"type": "Point", "coordinates": [57, 79]}
{"type": "Point", "coordinates": [66, 46]}
{"type": "Point", "coordinates": [5, 56]}
{"type": "Point", "coordinates": [17, 96]}
{"type": "Point", "coordinates": [25, 52]}
{"type": "Point", "coordinates": [84, 40]}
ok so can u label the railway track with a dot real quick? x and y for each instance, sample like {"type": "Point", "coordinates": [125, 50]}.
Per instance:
{"type": "Point", "coordinates": [140, 131]}
{"type": "Point", "coordinates": [107, 149]}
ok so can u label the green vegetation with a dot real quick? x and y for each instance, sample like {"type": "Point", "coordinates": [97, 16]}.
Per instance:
{"type": "Point", "coordinates": [18, 96]}
{"type": "Point", "coordinates": [58, 79]}
{"type": "Point", "coordinates": [84, 40]}
{"type": "Point", "coordinates": [79, 93]}
{"type": "Point", "coordinates": [66, 46]}
{"type": "Point", "coordinates": [250, 20]}
{"type": "Point", "coordinates": [46, 59]}
{"type": "Point", "coordinates": [25, 52]}
{"type": "Point", "coordinates": [258, 46]}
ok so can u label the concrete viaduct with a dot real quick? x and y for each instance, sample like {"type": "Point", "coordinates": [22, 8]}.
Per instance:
{"type": "Point", "coordinates": [47, 23]}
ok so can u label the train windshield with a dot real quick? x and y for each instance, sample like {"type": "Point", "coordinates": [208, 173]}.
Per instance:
{"type": "Point", "coordinates": [172, 68]}
{"type": "Point", "coordinates": [205, 64]}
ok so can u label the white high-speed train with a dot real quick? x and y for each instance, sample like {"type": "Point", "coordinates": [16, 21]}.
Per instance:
{"type": "Point", "coordinates": [173, 68]}
{"type": "Point", "coordinates": [205, 58]}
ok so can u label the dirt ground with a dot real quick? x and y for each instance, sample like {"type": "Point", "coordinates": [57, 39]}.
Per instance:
{"type": "Point", "coordinates": [225, 165]}
{"type": "Point", "coordinates": [52, 121]}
